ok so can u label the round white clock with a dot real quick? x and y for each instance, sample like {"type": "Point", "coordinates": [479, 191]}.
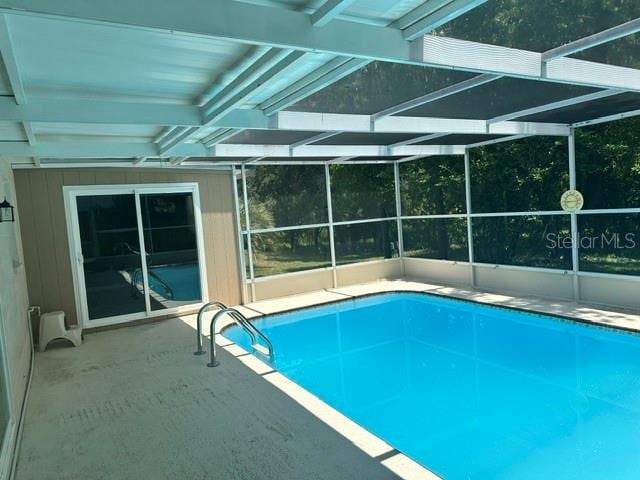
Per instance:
{"type": "Point", "coordinates": [571, 201]}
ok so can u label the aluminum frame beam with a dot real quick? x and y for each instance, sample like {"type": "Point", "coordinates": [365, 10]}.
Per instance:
{"type": "Point", "coordinates": [8, 55]}
{"type": "Point", "coordinates": [242, 151]}
{"type": "Point", "coordinates": [123, 113]}
{"type": "Point", "coordinates": [326, 122]}
{"type": "Point", "coordinates": [437, 95]}
{"type": "Point", "coordinates": [555, 105]}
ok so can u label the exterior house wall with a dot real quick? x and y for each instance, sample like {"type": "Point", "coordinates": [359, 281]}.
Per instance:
{"type": "Point", "coordinates": [14, 301]}
{"type": "Point", "coordinates": [46, 244]}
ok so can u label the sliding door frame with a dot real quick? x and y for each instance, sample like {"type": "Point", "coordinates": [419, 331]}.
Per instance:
{"type": "Point", "coordinates": [71, 193]}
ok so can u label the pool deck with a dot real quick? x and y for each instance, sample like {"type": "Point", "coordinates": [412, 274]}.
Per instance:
{"type": "Point", "coordinates": [135, 403]}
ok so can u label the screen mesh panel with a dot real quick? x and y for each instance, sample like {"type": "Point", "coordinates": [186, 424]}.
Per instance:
{"type": "Point", "coordinates": [535, 241]}
{"type": "Point", "coordinates": [362, 191]}
{"type": "Point", "coordinates": [291, 251]}
{"type": "Point", "coordinates": [523, 175]}
{"type": "Point", "coordinates": [377, 86]}
{"type": "Point", "coordinates": [609, 243]}
{"type": "Point", "coordinates": [539, 25]}
{"type": "Point", "coordinates": [607, 164]}
{"type": "Point", "coordinates": [459, 139]}
{"type": "Point", "coordinates": [437, 238]}
{"type": "Point", "coordinates": [273, 203]}
{"type": "Point", "coordinates": [269, 137]}
{"type": "Point", "coordinates": [433, 185]}
{"type": "Point", "coordinates": [367, 138]}
{"type": "Point", "coordinates": [499, 97]}
{"type": "Point", "coordinates": [362, 242]}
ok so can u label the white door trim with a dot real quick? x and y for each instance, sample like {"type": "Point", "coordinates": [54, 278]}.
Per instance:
{"type": "Point", "coordinates": [71, 193]}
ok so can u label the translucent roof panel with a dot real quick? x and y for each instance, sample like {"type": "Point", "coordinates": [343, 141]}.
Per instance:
{"type": "Point", "coordinates": [539, 25]}
{"type": "Point", "coordinates": [95, 60]}
{"type": "Point", "coordinates": [499, 97]}
{"type": "Point", "coordinates": [622, 52]}
{"type": "Point", "coordinates": [367, 139]}
{"type": "Point", "coordinates": [580, 112]}
{"type": "Point", "coordinates": [369, 11]}
{"type": "Point", "coordinates": [378, 86]}
{"type": "Point", "coordinates": [269, 137]}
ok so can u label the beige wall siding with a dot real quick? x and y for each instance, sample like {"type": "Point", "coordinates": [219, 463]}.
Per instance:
{"type": "Point", "coordinates": [44, 230]}
{"type": "Point", "coordinates": [14, 302]}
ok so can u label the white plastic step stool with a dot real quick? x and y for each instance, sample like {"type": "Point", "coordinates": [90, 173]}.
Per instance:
{"type": "Point", "coordinates": [52, 327]}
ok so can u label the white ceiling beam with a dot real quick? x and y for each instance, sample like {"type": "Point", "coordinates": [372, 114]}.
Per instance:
{"type": "Point", "coordinates": [72, 110]}
{"type": "Point", "coordinates": [242, 150]}
{"type": "Point", "coordinates": [555, 105]}
{"type": "Point", "coordinates": [608, 118]}
{"type": "Point", "coordinates": [8, 54]}
{"type": "Point", "coordinates": [609, 35]}
{"type": "Point", "coordinates": [122, 113]}
{"type": "Point", "coordinates": [592, 74]}
{"type": "Point", "coordinates": [441, 16]}
{"type": "Point", "coordinates": [258, 25]}
{"type": "Point", "coordinates": [329, 10]}
{"type": "Point", "coordinates": [136, 151]}
{"type": "Point", "coordinates": [338, 122]}
{"type": "Point", "coordinates": [473, 56]}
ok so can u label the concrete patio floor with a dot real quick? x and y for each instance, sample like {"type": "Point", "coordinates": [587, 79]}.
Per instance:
{"type": "Point", "coordinates": [136, 403]}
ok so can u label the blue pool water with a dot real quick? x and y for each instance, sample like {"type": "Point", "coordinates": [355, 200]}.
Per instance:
{"type": "Point", "coordinates": [469, 391]}
{"type": "Point", "coordinates": [182, 280]}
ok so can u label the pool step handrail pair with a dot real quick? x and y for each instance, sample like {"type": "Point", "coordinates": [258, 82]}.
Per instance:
{"type": "Point", "coordinates": [206, 307]}
{"type": "Point", "coordinates": [240, 320]}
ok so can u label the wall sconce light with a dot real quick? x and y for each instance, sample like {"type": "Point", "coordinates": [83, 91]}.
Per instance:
{"type": "Point", "coordinates": [6, 212]}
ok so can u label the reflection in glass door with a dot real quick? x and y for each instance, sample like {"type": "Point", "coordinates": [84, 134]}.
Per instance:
{"type": "Point", "coordinates": [170, 241]}
{"type": "Point", "coordinates": [137, 251]}
{"type": "Point", "coordinates": [110, 254]}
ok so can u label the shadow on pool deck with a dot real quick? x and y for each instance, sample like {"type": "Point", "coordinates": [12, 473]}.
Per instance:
{"type": "Point", "coordinates": [136, 403]}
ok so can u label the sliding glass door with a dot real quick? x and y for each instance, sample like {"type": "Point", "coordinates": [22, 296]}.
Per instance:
{"type": "Point", "coordinates": [136, 251]}
{"type": "Point", "coordinates": [171, 243]}
{"type": "Point", "coordinates": [110, 247]}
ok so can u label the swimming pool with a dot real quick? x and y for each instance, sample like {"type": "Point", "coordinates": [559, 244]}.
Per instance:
{"type": "Point", "coordinates": [470, 391]}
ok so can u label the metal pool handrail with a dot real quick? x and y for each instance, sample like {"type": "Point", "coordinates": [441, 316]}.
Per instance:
{"type": "Point", "coordinates": [201, 312]}
{"type": "Point", "coordinates": [243, 323]}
